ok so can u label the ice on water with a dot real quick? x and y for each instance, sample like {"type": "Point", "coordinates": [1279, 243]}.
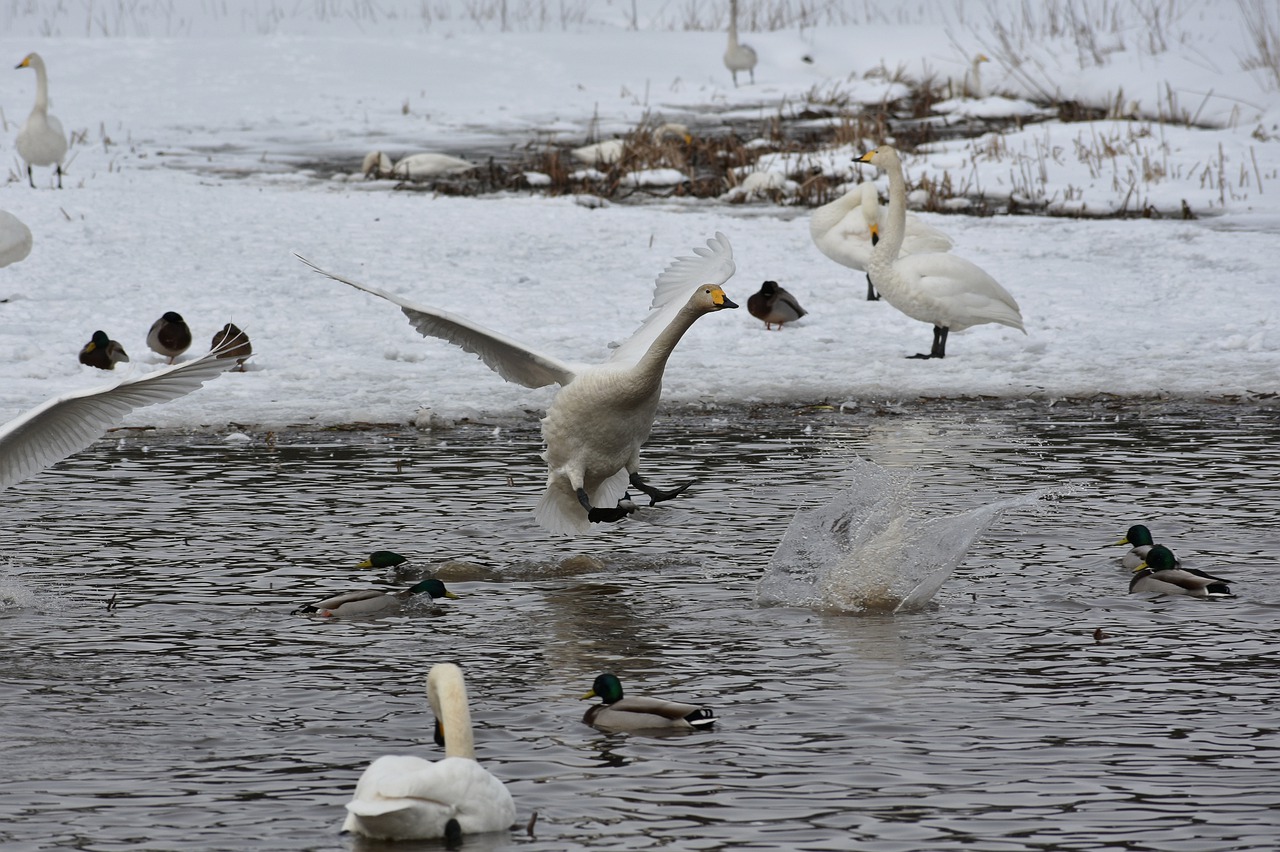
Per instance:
{"type": "Point", "coordinates": [873, 547]}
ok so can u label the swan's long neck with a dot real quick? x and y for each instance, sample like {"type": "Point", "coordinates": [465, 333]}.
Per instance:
{"type": "Point", "coordinates": [895, 227]}
{"type": "Point", "coordinates": [42, 86]}
{"type": "Point", "coordinates": [649, 369]}
{"type": "Point", "coordinates": [733, 23]}
{"type": "Point", "coordinates": [448, 696]}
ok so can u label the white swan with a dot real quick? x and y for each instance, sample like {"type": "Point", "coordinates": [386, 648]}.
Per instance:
{"type": "Point", "coordinates": [15, 239]}
{"type": "Point", "coordinates": [597, 423]}
{"type": "Point", "coordinates": [427, 165]}
{"type": "Point", "coordinates": [846, 230]}
{"type": "Point", "coordinates": [401, 797]}
{"type": "Point", "coordinates": [738, 57]}
{"type": "Point", "coordinates": [610, 151]}
{"type": "Point", "coordinates": [67, 424]}
{"type": "Point", "coordinates": [943, 290]}
{"type": "Point", "coordinates": [973, 87]}
{"type": "Point", "coordinates": [41, 141]}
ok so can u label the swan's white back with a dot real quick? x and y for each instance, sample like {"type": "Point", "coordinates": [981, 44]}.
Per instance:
{"type": "Point", "coordinates": [15, 239]}
{"type": "Point", "coordinates": [401, 797]}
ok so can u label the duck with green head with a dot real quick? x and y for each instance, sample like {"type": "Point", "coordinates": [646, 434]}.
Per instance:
{"type": "Point", "coordinates": [1139, 537]}
{"type": "Point", "coordinates": [618, 713]}
{"type": "Point", "coordinates": [383, 559]}
{"type": "Point", "coordinates": [374, 601]}
{"type": "Point", "coordinates": [1160, 573]}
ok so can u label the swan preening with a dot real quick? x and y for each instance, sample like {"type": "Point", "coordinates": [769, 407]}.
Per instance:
{"type": "Point", "coordinates": [41, 141]}
{"type": "Point", "coordinates": [413, 167]}
{"type": "Point", "coordinates": [774, 305]}
{"type": "Point", "coordinates": [602, 415]}
{"type": "Point", "coordinates": [402, 797]}
{"type": "Point", "coordinates": [15, 239]}
{"type": "Point", "coordinates": [68, 423]}
{"type": "Point", "coordinates": [738, 57]}
{"type": "Point", "coordinates": [847, 229]}
{"type": "Point", "coordinates": [1160, 572]}
{"type": "Point", "coordinates": [946, 291]}
{"type": "Point", "coordinates": [610, 151]}
{"type": "Point", "coordinates": [618, 713]}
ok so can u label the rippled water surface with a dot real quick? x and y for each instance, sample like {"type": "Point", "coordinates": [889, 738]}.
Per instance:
{"type": "Point", "coordinates": [157, 694]}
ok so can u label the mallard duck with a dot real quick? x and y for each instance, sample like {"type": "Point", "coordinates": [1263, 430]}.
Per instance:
{"type": "Point", "coordinates": [1140, 537]}
{"type": "Point", "coordinates": [847, 229]}
{"type": "Point", "coordinates": [616, 713]}
{"type": "Point", "coordinates": [402, 797]}
{"type": "Point", "coordinates": [374, 601]}
{"type": "Point", "coordinates": [773, 304]}
{"type": "Point", "coordinates": [1160, 573]}
{"type": "Point", "coordinates": [169, 336]}
{"type": "Point", "coordinates": [946, 291]}
{"type": "Point", "coordinates": [383, 559]}
{"type": "Point", "coordinates": [738, 57]}
{"type": "Point", "coordinates": [68, 423]}
{"type": "Point", "coordinates": [597, 423]}
{"type": "Point", "coordinates": [15, 239]}
{"type": "Point", "coordinates": [233, 343]}
{"type": "Point", "coordinates": [102, 352]}
{"type": "Point", "coordinates": [41, 141]}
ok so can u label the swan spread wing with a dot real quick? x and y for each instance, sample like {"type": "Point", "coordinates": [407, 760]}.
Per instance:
{"type": "Point", "coordinates": [710, 265]}
{"type": "Point", "coordinates": [510, 359]}
{"type": "Point", "coordinates": [67, 424]}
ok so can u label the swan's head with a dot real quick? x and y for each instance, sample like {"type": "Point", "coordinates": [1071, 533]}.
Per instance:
{"type": "Point", "coordinates": [882, 156]}
{"type": "Point", "coordinates": [709, 297]}
{"type": "Point", "coordinates": [606, 687]}
{"type": "Point", "coordinates": [979, 59]}
{"type": "Point", "coordinates": [432, 587]}
{"type": "Point", "coordinates": [31, 60]}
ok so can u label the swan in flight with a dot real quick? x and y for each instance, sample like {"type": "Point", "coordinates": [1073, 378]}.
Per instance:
{"type": "Point", "coordinates": [943, 290]}
{"type": "Point", "coordinates": [847, 229]}
{"type": "Point", "coordinates": [738, 57]}
{"type": "Point", "coordinates": [602, 415]}
{"type": "Point", "coordinates": [15, 239]}
{"type": "Point", "coordinates": [41, 141]}
{"type": "Point", "coordinates": [68, 423]}
{"type": "Point", "coordinates": [403, 797]}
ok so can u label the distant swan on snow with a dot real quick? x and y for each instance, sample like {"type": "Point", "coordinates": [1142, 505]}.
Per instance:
{"type": "Point", "coordinates": [738, 57]}
{"type": "Point", "coordinates": [847, 229]}
{"type": "Point", "coordinates": [402, 797]}
{"type": "Point", "coordinates": [943, 290]}
{"type": "Point", "coordinates": [602, 416]}
{"type": "Point", "coordinates": [41, 141]}
{"type": "Point", "coordinates": [610, 151]}
{"type": "Point", "coordinates": [413, 167]}
{"type": "Point", "coordinates": [15, 239]}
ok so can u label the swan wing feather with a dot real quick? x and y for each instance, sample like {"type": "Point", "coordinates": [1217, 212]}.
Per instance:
{"type": "Point", "coordinates": [963, 291]}
{"type": "Point", "coordinates": [68, 423]}
{"type": "Point", "coordinates": [509, 358]}
{"type": "Point", "coordinates": [672, 289]}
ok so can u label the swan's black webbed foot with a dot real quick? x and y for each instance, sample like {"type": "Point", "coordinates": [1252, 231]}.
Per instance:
{"type": "Point", "coordinates": [872, 295]}
{"type": "Point", "coordinates": [657, 495]}
{"type": "Point", "coordinates": [939, 348]}
{"type": "Point", "coordinates": [608, 516]}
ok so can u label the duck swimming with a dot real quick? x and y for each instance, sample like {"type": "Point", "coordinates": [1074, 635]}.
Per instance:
{"type": "Point", "coordinates": [618, 713]}
{"type": "Point", "coordinates": [374, 601]}
{"type": "Point", "coordinates": [1159, 573]}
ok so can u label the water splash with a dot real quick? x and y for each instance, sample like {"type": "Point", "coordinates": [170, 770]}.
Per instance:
{"type": "Point", "coordinates": [870, 549]}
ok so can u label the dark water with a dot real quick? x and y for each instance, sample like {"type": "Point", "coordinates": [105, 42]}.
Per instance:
{"type": "Point", "coordinates": [196, 713]}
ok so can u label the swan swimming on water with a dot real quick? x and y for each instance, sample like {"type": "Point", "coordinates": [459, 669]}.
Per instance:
{"type": "Point", "coordinates": [602, 415]}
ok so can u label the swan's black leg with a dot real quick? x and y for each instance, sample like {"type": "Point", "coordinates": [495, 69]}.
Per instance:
{"type": "Point", "coordinates": [608, 516]}
{"type": "Point", "coordinates": [657, 495]}
{"type": "Point", "coordinates": [872, 295]}
{"type": "Point", "coordinates": [584, 499]}
{"type": "Point", "coordinates": [939, 348]}
{"type": "Point", "coordinates": [31, 180]}
{"type": "Point", "coordinates": [59, 167]}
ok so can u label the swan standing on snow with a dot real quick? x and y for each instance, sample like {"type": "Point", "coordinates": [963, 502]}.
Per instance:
{"type": "Point", "coordinates": [67, 424]}
{"type": "Point", "coordinates": [773, 304]}
{"type": "Point", "coordinates": [941, 289]}
{"type": "Point", "coordinates": [597, 423]}
{"type": "Point", "coordinates": [401, 797]}
{"type": "Point", "coordinates": [847, 229]}
{"type": "Point", "coordinates": [41, 141]}
{"type": "Point", "coordinates": [973, 79]}
{"type": "Point", "coordinates": [15, 239]}
{"type": "Point", "coordinates": [738, 57]}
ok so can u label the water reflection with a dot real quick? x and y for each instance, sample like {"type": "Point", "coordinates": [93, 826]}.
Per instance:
{"type": "Point", "coordinates": [199, 714]}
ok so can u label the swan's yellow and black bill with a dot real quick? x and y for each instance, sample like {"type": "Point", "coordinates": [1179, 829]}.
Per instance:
{"type": "Point", "coordinates": [721, 300]}
{"type": "Point", "coordinates": [867, 157]}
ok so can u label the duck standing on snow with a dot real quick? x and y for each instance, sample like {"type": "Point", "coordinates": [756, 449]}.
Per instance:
{"type": "Point", "coordinates": [847, 229]}
{"type": "Point", "coordinates": [1160, 573]}
{"type": "Point", "coordinates": [403, 797]}
{"type": "Point", "coordinates": [597, 423]}
{"type": "Point", "coordinates": [102, 352]}
{"type": "Point", "coordinates": [374, 601]}
{"type": "Point", "coordinates": [738, 57]}
{"type": "Point", "coordinates": [233, 343]}
{"type": "Point", "coordinates": [41, 141]}
{"type": "Point", "coordinates": [169, 336]}
{"type": "Point", "coordinates": [618, 713]}
{"type": "Point", "coordinates": [773, 304]}
{"type": "Point", "coordinates": [946, 291]}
